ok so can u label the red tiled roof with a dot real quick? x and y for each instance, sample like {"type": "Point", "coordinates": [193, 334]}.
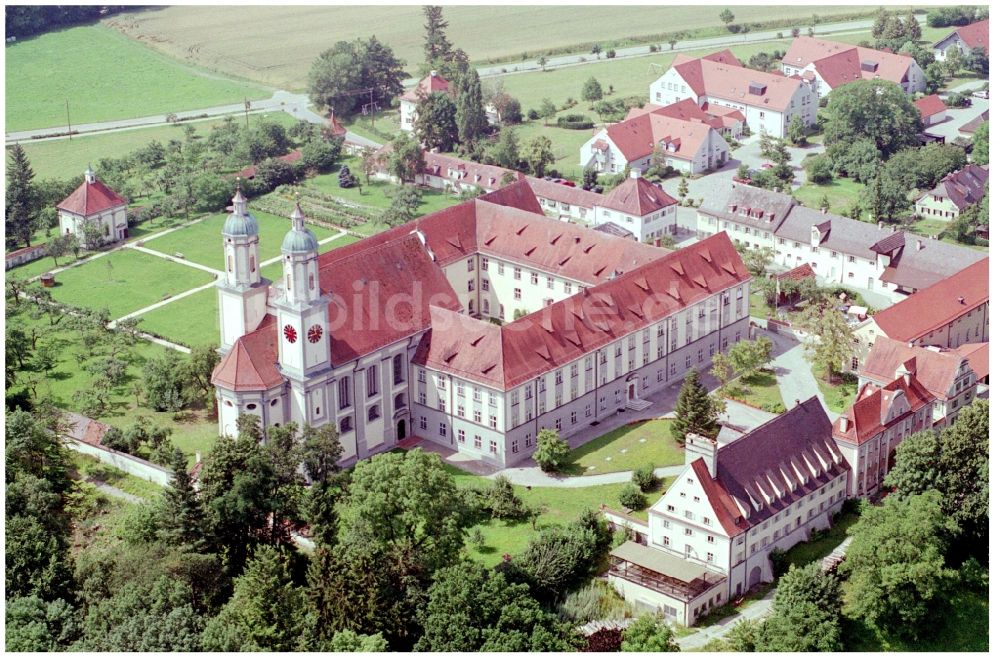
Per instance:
{"type": "Point", "coordinates": [637, 137]}
{"type": "Point", "coordinates": [488, 177]}
{"type": "Point", "coordinates": [929, 106]}
{"type": "Point", "coordinates": [427, 86]}
{"type": "Point", "coordinates": [963, 187]}
{"type": "Point", "coordinates": [725, 508]}
{"type": "Point", "coordinates": [798, 273]}
{"type": "Point", "coordinates": [938, 305]}
{"type": "Point", "coordinates": [91, 198]}
{"type": "Point", "coordinates": [557, 192]}
{"type": "Point", "coordinates": [936, 370]}
{"type": "Point", "coordinates": [637, 196]}
{"type": "Point", "coordinates": [290, 158]}
{"type": "Point", "coordinates": [838, 63]}
{"type": "Point", "coordinates": [787, 449]}
{"type": "Point", "coordinates": [867, 415]}
{"type": "Point", "coordinates": [978, 356]}
{"type": "Point", "coordinates": [976, 35]}
{"type": "Point", "coordinates": [572, 327]}
{"type": "Point", "coordinates": [973, 124]}
{"type": "Point", "coordinates": [731, 82]}
{"type": "Point", "coordinates": [251, 365]}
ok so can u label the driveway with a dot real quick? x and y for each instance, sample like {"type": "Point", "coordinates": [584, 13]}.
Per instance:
{"type": "Point", "coordinates": [794, 372]}
{"type": "Point", "coordinates": [957, 117]}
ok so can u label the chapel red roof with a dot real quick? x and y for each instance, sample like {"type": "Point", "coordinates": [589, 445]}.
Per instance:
{"type": "Point", "coordinates": [91, 198]}
{"type": "Point", "coordinates": [938, 305]}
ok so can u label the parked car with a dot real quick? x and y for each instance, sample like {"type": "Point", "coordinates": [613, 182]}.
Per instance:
{"type": "Point", "coordinates": [982, 94]}
{"type": "Point", "coordinates": [568, 183]}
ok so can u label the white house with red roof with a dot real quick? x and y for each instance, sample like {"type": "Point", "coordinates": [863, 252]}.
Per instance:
{"type": "Point", "coordinates": [954, 193]}
{"type": "Point", "coordinates": [411, 98]}
{"type": "Point", "coordinates": [932, 109]}
{"type": "Point", "coordinates": [768, 101]}
{"type": "Point", "coordinates": [640, 207]}
{"type": "Point", "coordinates": [830, 64]}
{"type": "Point", "coordinates": [686, 137]}
{"type": "Point", "coordinates": [964, 39]}
{"type": "Point", "coordinates": [456, 175]}
{"type": "Point", "coordinates": [413, 331]}
{"type": "Point", "coordinates": [94, 205]}
{"type": "Point", "coordinates": [711, 533]}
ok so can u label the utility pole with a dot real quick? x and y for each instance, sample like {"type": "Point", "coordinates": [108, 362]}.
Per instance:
{"type": "Point", "coordinates": [69, 126]}
{"type": "Point", "coordinates": [246, 110]}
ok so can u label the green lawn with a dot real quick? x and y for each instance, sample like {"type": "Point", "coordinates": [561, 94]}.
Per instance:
{"type": "Point", "coordinates": [559, 506]}
{"type": "Point", "coordinates": [759, 390]}
{"type": "Point", "coordinates": [837, 396]}
{"type": "Point", "coordinates": [759, 307]}
{"type": "Point", "coordinates": [202, 242]}
{"type": "Point", "coordinates": [191, 430]}
{"type": "Point", "coordinates": [377, 194]}
{"type": "Point", "coordinates": [842, 194]}
{"type": "Point", "coordinates": [67, 159]}
{"type": "Point", "coordinates": [104, 76]}
{"type": "Point", "coordinates": [125, 281]}
{"type": "Point", "coordinates": [627, 448]}
{"type": "Point", "coordinates": [929, 227]}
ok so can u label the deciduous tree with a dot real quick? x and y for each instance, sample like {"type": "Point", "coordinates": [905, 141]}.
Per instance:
{"type": "Point", "coordinates": [539, 155]}
{"type": "Point", "coordinates": [649, 634]}
{"type": "Point", "coordinates": [829, 343]}
{"type": "Point", "coordinates": [550, 451]}
{"type": "Point", "coordinates": [876, 110]}
{"type": "Point", "coordinates": [592, 90]}
{"type": "Point", "coordinates": [407, 158]}
{"type": "Point", "coordinates": [354, 65]}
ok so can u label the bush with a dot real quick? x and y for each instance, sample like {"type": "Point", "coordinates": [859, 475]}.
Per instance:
{"type": "Point", "coordinates": [575, 122]}
{"type": "Point", "coordinates": [605, 640]}
{"type": "Point", "coordinates": [645, 478]}
{"type": "Point", "coordinates": [593, 602]}
{"type": "Point", "coordinates": [820, 169]}
{"type": "Point", "coordinates": [631, 498]}
{"type": "Point", "coordinates": [532, 114]}
{"type": "Point", "coordinates": [611, 54]}
{"type": "Point", "coordinates": [502, 502]}
{"type": "Point", "coordinates": [551, 450]}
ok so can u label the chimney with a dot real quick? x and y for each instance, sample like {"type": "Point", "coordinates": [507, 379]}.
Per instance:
{"type": "Point", "coordinates": [843, 424]}
{"type": "Point", "coordinates": [634, 174]}
{"type": "Point", "coordinates": [961, 300]}
{"type": "Point", "coordinates": [697, 446]}
{"type": "Point", "coordinates": [434, 74]}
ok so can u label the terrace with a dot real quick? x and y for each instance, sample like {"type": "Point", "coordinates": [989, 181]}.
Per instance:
{"type": "Point", "coordinates": [662, 572]}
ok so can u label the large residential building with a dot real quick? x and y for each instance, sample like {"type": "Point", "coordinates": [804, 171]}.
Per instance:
{"type": "Point", "coordinates": [768, 101]}
{"type": "Point", "coordinates": [411, 98]}
{"type": "Point", "coordinates": [458, 176]}
{"type": "Point", "coordinates": [413, 331]}
{"type": "Point", "coordinates": [964, 39]}
{"type": "Point", "coordinates": [686, 137]}
{"type": "Point", "coordinates": [830, 64]}
{"type": "Point", "coordinates": [954, 193]}
{"type": "Point", "coordinates": [567, 203]}
{"type": "Point", "coordinates": [949, 314]}
{"type": "Point", "coordinates": [710, 534]}
{"type": "Point", "coordinates": [95, 206]}
{"type": "Point", "coordinates": [946, 374]}
{"type": "Point", "coordinates": [857, 254]}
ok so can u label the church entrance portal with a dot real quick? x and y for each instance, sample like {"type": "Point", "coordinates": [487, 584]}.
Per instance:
{"type": "Point", "coordinates": [401, 429]}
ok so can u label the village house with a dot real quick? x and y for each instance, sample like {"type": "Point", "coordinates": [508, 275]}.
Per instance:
{"type": "Point", "coordinates": [391, 337]}
{"type": "Point", "coordinates": [964, 39]}
{"type": "Point", "coordinates": [953, 312]}
{"type": "Point", "coordinates": [856, 254]}
{"type": "Point", "coordinates": [411, 98]}
{"type": "Point", "coordinates": [455, 175]}
{"type": "Point", "coordinates": [680, 135]}
{"type": "Point", "coordinates": [830, 64]}
{"type": "Point", "coordinates": [954, 193]}
{"type": "Point", "coordinates": [567, 203]}
{"type": "Point", "coordinates": [932, 109]}
{"type": "Point", "coordinates": [95, 206]}
{"type": "Point", "coordinates": [767, 101]}
{"type": "Point", "coordinates": [711, 534]}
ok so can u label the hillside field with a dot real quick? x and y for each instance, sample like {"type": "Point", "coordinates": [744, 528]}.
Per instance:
{"type": "Point", "coordinates": [275, 45]}
{"type": "Point", "coordinates": [104, 76]}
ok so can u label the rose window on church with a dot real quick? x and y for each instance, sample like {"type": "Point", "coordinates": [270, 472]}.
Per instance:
{"type": "Point", "coordinates": [290, 334]}
{"type": "Point", "coordinates": [315, 334]}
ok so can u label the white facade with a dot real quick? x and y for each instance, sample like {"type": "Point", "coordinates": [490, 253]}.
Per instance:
{"type": "Point", "coordinates": [407, 114]}
{"type": "Point", "coordinates": [662, 222]}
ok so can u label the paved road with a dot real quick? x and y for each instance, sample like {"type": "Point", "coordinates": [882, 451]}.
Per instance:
{"type": "Point", "coordinates": [578, 59]}
{"type": "Point", "coordinates": [794, 372]}
{"type": "Point", "coordinates": [296, 105]}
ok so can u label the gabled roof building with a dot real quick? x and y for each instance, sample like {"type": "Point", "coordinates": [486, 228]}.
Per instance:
{"type": "Point", "coordinates": [473, 327]}
{"type": "Point", "coordinates": [965, 39]}
{"type": "Point", "coordinates": [767, 101]}
{"type": "Point", "coordinates": [954, 193]}
{"type": "Point", "coordinates": [730, 507]}
{"type": "Point", "coordinates": [95, 213]}
{"type": "Point", "coordinates": [832, 64]}
{"type": "Point", "coordinates": [410, 99]}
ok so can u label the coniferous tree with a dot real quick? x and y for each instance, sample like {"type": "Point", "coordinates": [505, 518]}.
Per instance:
{"type": "Point", "coordinates": [437, 48]}
{"type": "Point", "coordinates": [22, 199]}
{"type": "Point", "coordinates": [695, 410]}
{"type": "Point", "coordinates": [183, 516]}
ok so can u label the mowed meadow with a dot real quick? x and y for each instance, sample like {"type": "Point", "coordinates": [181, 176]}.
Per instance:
{"type": "Point", "coordinates": [104, 76]}
{"type": "Point", "coordinates": [275, 45]}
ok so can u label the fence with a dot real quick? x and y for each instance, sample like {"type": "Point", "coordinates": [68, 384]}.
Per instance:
{"type": "Point", "coordinates": [136, 467]}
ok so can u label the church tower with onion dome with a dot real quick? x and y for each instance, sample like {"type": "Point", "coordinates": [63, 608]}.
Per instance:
{"type": "Point", "coordinates": [242, 291]}
{"type": "Point", "coordinates": [301, 310]}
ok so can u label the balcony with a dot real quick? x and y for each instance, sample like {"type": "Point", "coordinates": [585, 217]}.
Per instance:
{"type": "Point", "coordinates": [662, 572]}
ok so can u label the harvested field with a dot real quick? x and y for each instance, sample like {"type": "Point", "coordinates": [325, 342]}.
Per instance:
{"type": "Point", "coordinates": [275, 45]}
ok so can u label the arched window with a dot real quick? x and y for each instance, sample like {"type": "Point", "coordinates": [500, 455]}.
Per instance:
{"type": "Point", "coordinates": [312, 282]}
{"type": "Point", "coordinates": [400, 402]}
{"type": "Point", "coordinates": [345, 424]}
{"type": "Point", "coordinates": [253, 266]}
{"type": "Point", "coordinates": [373, 413]}
{"type": "Point", "coordinates": [288, 282]}
{"type": "Point", "coordinates": [230, 263]}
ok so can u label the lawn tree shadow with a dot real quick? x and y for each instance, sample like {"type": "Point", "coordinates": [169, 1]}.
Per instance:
{"type": "Point", "coordinates": [58, 375]}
